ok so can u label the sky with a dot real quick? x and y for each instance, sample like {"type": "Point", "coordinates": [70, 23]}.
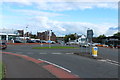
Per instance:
{"type": "Point", "coordinates": [61, 16]}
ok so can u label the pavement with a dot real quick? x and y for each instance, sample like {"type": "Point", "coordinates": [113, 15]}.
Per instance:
{"type": "Point", "coordinates": [17, 67]}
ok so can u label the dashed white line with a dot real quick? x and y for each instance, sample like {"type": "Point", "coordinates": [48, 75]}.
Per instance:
{"type": "Point", "coordinates": [56, 53]}
{"type": "Point", "coordinates": [42, 53]}
{"type": "Point", "coordinates": [69, 53]}
{"type": "Point", "coordinates": [30, 53]}
{"type": "Point", "coordinates": [56, 65]}
{"type": "Point", "coordinates": [110, 61]}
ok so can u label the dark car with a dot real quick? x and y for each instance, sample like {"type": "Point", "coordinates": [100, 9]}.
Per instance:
{"type": "Point", "coordinates": [37, 41]}
{"type": "Point", "coordinates": [118, 46]}
{"type": "Point", "coordinates": [17, 41]}
{"type": "Point", "coordinates": [30, 41]}
{"type": "Point", "coordinates": [3, 45]}
{"type": "Point", "coordinates": [42, 41]}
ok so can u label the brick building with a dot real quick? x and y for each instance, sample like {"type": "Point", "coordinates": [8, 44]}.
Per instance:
{"type": "Point", "coordinates": [21, 33]}
{"type": "Point", "coordinates": [45, 35]}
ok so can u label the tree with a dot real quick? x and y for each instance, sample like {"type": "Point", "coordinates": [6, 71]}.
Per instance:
{"type": "Point", "coordinates": [71, 36]}
{"type": "Point", "coordinates": [33, 35]}
{"type": "Point", "coordinates": [99, 38]}
{"type": "Point", "coordinates": [117, 34]}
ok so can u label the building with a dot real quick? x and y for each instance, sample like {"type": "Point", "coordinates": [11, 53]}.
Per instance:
{"type": "Point", "coordinates": [82, 39]}
{"type": "Point", "coordinates": [8, 34]}
{"type": "Point", "coordinates": [47, 35]}
{"type": "Point", "coordinates": [111, 40]}
{"type": "Point", "coordinates": [60, 39]}
{"type": "Point", "coordinates": [21, 33]}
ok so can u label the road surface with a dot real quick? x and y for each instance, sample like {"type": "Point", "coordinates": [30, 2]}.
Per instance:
{"type": "Point", "coordinates": [82, 66]}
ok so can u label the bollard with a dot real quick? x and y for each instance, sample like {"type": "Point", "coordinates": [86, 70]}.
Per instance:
{"type": "Point", "coordinates": [94, 51]}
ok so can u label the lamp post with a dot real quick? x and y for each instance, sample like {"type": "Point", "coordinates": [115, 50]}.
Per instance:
{"type": "Point", "coordinates": [50, 33]}
{"type": "Point", "coordinates": [26, 33]}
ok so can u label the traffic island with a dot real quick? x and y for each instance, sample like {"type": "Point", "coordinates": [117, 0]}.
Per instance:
{"type": "Point", "coordinates": [87, 54]}
{"type": "Point", "coordinates": [56, 47]}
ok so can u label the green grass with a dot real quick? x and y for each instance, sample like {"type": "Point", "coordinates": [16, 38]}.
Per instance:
{"type": "Point", "coordinates": [1, 70]}
{"type": "Point", "coordinates": [56, 47]}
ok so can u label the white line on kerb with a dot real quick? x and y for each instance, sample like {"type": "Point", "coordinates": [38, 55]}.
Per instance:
{"type": "Point", "coordinates": [24, 55]}
{"type": "Point", "coordinates": [56, 65]}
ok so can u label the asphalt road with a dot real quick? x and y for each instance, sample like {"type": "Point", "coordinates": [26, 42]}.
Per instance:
{"type": "Point", "coordinates": [82, 66]}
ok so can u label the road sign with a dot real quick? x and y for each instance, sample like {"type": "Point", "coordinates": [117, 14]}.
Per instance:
{"type": "Point", "coordinates": [89, 33]}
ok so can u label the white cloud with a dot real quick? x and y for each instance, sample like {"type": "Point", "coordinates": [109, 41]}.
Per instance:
{"type": "Point", "coordinates": [42, 23]}
{"type": "Point", "coordinates": [60, 0]}
{"type": "Point", "coordinates": [63, 28]}
{"type": "Point", "coordinates": [36, 12]}
{"type": "Point", "coordinates": [61, 5]}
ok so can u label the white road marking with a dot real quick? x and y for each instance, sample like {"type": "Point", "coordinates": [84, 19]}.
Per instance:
{"type": "Point", "coordinates": [42, 53]}
{"type": "Point", "coordinates": [102, 60]}
{"type": "Point", "coordinates": [56, 53]}
{"type": "Point", "coordinates": [69, 53]}
{"type": "Point", "coordinates": [24, 55]}
{"type": "Point", "coordinates": [30, 53]}
{"type": "Point", "coordinates": [110, 61]}
{"type": "Point", "coordinates": [18, 52]}
{"type": "Point", "coordinates": [56, 65]}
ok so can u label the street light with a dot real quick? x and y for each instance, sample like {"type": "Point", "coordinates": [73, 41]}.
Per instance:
{"type": "Point", "coordinates": [50, 34]}
{"type": "Point", "coordinates": [26, 33]}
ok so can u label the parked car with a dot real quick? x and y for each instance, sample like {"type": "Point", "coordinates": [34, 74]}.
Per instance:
{"type": "Point", "coordinates": [84, 45]}
{"type": "Point", "coordinates": [70, 43]}
{"type": "Point", "coordinates": [95, 44]}
{"type": "Point", "coordinates": [43, 41]}
{"type": "Point", "coordinates": [18, 41]}
{"type": "Point", "coordinates": [30, 41]}
{"type": "Point", "coordinates": [118, 46]}
{"type": "Point", "coordinates": [3, 45]}
{"type": "Point", "coordinates": [37, 41]}
{"type": "Point", "coordinates": [53, 42]}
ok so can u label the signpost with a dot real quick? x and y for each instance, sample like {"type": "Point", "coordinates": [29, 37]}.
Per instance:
{"type": "Point", "coordinates": [89, 37]}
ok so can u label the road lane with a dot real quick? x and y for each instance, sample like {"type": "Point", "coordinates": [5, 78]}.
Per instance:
{"type": "Point", "coordinates": [109, 53]}
{"type": "Point", "coordinates": [82, 66]}
{"type": "Point", "coordinates": [106, 53]}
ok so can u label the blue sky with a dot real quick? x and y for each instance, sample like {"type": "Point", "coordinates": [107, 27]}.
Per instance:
{"type": "Point", "coordinates": [61, 17]}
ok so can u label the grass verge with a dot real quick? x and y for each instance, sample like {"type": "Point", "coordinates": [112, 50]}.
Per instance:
{"type": "Point", "coordinates": [1, 70]}
{"type": "Point", "coordinates": [56, 47]}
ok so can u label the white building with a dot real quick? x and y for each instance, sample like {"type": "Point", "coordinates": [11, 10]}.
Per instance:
{"type": "Point", "coordinates": [81, 40]}
{"type": "Point", "coordinates": [8, 34]}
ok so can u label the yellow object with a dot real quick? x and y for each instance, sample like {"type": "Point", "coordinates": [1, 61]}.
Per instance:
{"type": "Point", "coordinates": [94, 51]}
